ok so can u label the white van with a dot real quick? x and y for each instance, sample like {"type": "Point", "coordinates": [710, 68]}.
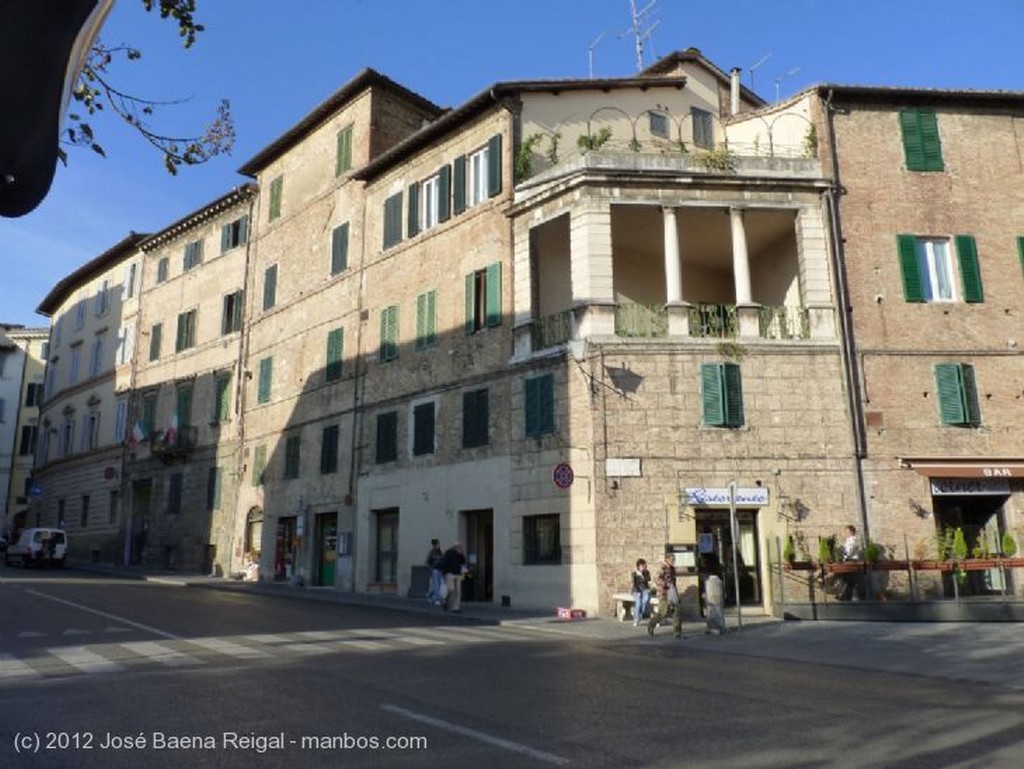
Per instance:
{"type": "Point", "coordinates": [39, 547]}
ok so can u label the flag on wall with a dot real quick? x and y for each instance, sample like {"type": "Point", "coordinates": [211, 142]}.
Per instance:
{"type": "Point", "coordinates": [172, 431]}
{"type": "Point", "coordinates": [136, 436]}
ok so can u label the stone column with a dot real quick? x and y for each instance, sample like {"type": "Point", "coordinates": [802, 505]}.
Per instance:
{"type": "Point", "coordinates": [748, 314]}
{"type": "Point", "coordinates": [678, 310]}
{"type": "Point", "coordinates": [673, 269]}
{"type": "Point", "coordinates": [740, 260]}
{"type": "Point", "coordinates": [590, 257]}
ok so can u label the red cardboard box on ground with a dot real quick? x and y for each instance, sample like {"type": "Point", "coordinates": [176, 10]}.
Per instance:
{"type": "Point", "coordinates": [564, 613]}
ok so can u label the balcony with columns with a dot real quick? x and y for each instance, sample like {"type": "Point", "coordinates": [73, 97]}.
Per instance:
{"type": "Point", "coordinates": [721, 266]}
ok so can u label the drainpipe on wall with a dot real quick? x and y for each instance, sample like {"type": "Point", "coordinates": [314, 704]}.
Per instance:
{"type": "Point", "coordinates": [851, 370]}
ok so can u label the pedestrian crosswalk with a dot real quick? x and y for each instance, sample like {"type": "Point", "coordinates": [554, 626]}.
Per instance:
{"type": "Point", "coordinates": [105, 657]}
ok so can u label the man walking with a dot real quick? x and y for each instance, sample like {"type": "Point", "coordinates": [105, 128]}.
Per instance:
{"type": "Point", "coordinates": [453, 566]}
{"type": "Point", "coordinates": [668, 597]}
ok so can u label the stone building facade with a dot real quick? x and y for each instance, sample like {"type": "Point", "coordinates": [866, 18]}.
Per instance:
{"type": "Point", "coordinates": [182, 448]}
{"type": "Point", "coordinates": [83, 420]}
{"type": "Point", "coordinates": [21, 375]}
{"type": "Point", "coordinates": [573, 323]}
{"type": "Point", "coordinates": [932, 252]}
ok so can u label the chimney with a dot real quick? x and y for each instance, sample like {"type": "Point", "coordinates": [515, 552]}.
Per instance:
{"type": "Point", "coordinates": [734, 91]}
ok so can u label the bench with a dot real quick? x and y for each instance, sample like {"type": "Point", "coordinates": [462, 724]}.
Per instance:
{"type": "Point", "coordinates": [624, 605]}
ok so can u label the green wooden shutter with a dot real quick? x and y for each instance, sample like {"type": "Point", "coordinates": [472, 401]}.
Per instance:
{"type": "Point", "coordinates": [948, 380]}
{"type": "Point", "coordinates": [259, 464]}
{"type": "Point", "coordinates": [339, 249]}
{"type": "Point", "coordinates": [540, 405]}
{"type": "Point", "coordinates": [422, 320]}
{"type": "Point", "coordinates": [1020, 253]}
{"type": "Point", "coordinates": [470, 303]}
{"type": "Point", "coordinates": [270, 287]}
{"type": "Point", "coordinates": [970, 395]}
{"type": "Point", "coordinates": [906, 246]}
{"type": "Point", "coordinates": [913, 150]}
{"type": "Point", "coordinates": [275, 197]}
{"type": "Point", "coordinates": [225, 238]}
{"type": "Point", "coordinates": [389, 334]}
{"type": "Point", "coordinates": [712, 395]}
{"type": "Point", "coordinates": [266, 374]}
{"type": "Point", "coordinates": [222, 407]}
{"type": "Point", "coordinates": [459, 184]}
{"type": "Point", "coordinates": [183, 408]}
{"type": "Point", "coordinates": [413, 219]}
{"type": "Point", "coordinates": [958, 394]}
{"type": "Point", "coordinates": [213, 489]}
{"type": "Point", "coordinates": [970, 271]}
{"type": "Point", "coordinates": [335, 350]}
{"type": "Point", "coordinates": [733, 389]}
{"type": "Point", "coordinates": [922, 148]}
{"type": "Point", "coordinates": [493, 282]}
{"type": "Point", "coordinates": [179, 341]}
{"type": "Point", "coordinates": [532, 406]}
{"type": "Point", "coordinates": [931, 147]}
{"type": "Point", "coordinates": [155, 340]}
{"type": "Point", "coordinates": [343, 161]}
{"type": "Point", "coordinates": [393, 220]}
{"type": "Point", "coordinates": [494, 166]}
{"type": "Point", "coordinates": [243, 230]}
{"type": "Point", "coordinates": [444, 193]}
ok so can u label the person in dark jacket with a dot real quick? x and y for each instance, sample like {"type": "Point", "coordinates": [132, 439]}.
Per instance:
{"type": "Point", "coordinates": [453, 567]}
{"type": "Point", "coordinates": [641, 590]}
{"type": "Point", "coordinates": [434, 556]}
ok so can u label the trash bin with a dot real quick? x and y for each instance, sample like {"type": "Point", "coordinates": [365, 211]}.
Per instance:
{"type": "Point", "coordinates": [714, 590]}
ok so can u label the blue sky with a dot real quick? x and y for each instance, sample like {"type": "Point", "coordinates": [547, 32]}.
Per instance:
{"type": "Point", "coordinates": [276, 60]}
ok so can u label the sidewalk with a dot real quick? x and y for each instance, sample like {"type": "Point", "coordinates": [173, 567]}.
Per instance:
{"type": "Point", "coordinates": [590, 628]}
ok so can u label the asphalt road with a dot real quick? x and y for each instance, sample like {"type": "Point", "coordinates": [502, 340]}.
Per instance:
{"type": "Point", "coordinates": [91, 668]}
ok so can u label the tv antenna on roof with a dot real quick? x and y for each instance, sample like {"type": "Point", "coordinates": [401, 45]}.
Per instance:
{"type": "Point", "coordinates": [780, 78]}
{"type": "Point", "coordinates": [753, 67]}
{"type": "Point", "coordinates": [639, 31]}
{"type": "Point", "coordinates": [590, 54]}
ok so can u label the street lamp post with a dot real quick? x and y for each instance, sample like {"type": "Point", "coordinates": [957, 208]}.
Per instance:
{"type": "Point", "coordinates": [734, 529]}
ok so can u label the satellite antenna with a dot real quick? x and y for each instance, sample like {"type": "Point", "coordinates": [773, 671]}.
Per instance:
{"type": "Point", "coordinates": [780, 78]}
{"type": "Point", "coordinates": [590, 54]}
{"type": "Point", "coordinates": [639, 30]}
{"type": "Point", "coordinates": [754, 66]}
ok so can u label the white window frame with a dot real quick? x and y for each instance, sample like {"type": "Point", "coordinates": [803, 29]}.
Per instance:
{"type": "Point", "coordinates": [76, 359]}
{"type": "Point", "coordinates": [94, 357]}
{"type": "Point", "coordinates": [121, 419]}
{"type": "Point", "coordinates": [125, 343]}
{"type": "Point", "coordinates": [102, 304]}
{"type": "Point", "coordinates": [130, 270]}
{"type": "Point", "coordinates": [430, 194]}
{"type": "Point", "coordinates": [935, 257]}
{"type": "Point", "coordinates": [477, 173]}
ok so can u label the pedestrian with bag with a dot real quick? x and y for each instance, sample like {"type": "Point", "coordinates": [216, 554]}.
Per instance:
{"type": "Point", "coordinates": [436, 588]}
{"type": "Point", "coordinates": [641, 591]}
{"type": "Point", "coordinates": [668, 598]}
{"type": "Point", "coordinates": [453, 566]}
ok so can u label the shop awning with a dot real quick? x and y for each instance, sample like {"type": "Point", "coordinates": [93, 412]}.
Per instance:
{"type": "Point", "coordinates": [983, 467]}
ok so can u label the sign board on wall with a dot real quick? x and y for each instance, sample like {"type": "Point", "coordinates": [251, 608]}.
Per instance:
{"type": "Point", "coordinates": [700, 496]}
{"type": "Point", "coordinates": [622, 467]}
{"type": "Point", "coordinates": [944, 487]}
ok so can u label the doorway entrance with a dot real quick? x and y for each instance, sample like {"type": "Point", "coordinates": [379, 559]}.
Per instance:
{"type": "Point", "coordinates": [284, 548]}
{"type": "Point", "coordinates": [386, 547]}
{"type": "Point", "coordinates": [478, 536]}
{"type": "Point", "coordinates": [980, 517]}
{"type": "Point", "coordinates": [138, 528]}
{"type": "Point", "coordinates": [714, 554]}
{"type": "Point", "coordinates": [326, 548]}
